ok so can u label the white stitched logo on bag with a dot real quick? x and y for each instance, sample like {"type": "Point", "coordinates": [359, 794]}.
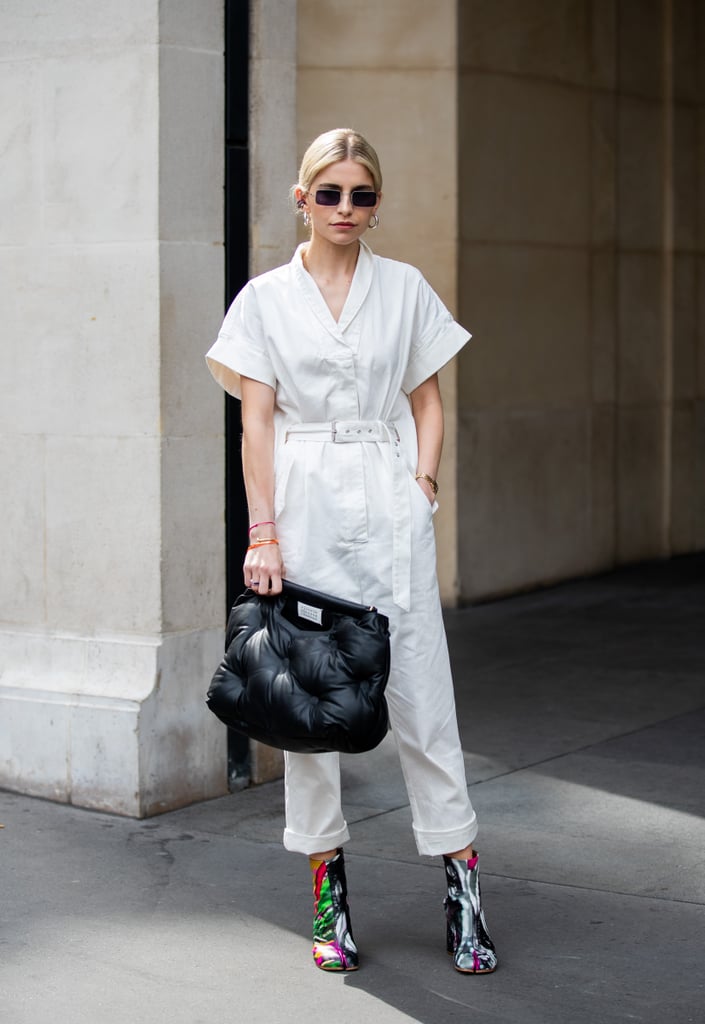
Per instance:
{"type": "Point", "coordinates": [307, 611]}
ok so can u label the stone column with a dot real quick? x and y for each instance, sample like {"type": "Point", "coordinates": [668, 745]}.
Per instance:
{"type": "Point", "coordinates": [111, 433]}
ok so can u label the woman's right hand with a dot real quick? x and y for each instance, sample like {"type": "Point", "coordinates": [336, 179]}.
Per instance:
{"type": "Point", "coordinates": [263, 569]}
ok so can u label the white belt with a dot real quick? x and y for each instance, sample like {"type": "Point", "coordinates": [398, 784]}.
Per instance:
{"type": "Point", "coordinates": [376, 432]}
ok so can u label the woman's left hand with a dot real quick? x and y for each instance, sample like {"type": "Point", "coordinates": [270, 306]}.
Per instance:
{"type": "Point", "coordinates": [427, 489]}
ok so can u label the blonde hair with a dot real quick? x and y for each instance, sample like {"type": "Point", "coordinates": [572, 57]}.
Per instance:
{"type": "Point", "coordinates": [330, 148]}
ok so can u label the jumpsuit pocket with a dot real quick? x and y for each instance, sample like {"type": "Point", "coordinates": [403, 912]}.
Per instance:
{"type": "Point", "coordinates": [429, 509]}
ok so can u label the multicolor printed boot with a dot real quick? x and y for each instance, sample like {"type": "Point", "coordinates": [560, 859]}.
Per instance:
{"type": "Point", "coordinates": [334, 948]}
{"type": "Point", "coordinates": [468, 940]}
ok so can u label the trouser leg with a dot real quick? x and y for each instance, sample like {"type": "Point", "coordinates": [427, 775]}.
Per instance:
{"type": "Point", "coordinates": [314, 817]}
{"type": "Point", "coordinates": [423, 718]}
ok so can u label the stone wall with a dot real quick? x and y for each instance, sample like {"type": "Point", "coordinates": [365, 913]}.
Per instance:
{"type": "Point", "coordinates": [111, 434]}
{"type": "Point", "coordinates": [581, 404]}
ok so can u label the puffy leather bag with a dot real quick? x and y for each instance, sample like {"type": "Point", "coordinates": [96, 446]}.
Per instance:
{"type": "Point", "coordinates": [304, 671]}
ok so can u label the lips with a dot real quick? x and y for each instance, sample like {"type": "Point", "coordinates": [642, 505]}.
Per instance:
{"type": "Point", "coordinates": [343, 224]}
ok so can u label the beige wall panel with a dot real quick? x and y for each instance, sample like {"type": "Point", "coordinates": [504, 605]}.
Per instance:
{"type": "Point", "coordinates": [526, 37]}
{"type": "Point", "coordinates": [640, 183]}
{"type": "Point", "coordinates": [686, 54]}
{"type": "Point", "coordinates": [192, 506]}
{"type": "Point", "coordinates": [193, 25]}
{"type": "Point", "coordinates": [526, 168]}
{"type": "Point", "coordinates": [603, 44]}
{"type": "Point", "coordinates": [83, 347]}
{"type": "Point", "coordinates": [699, 50]}
{"type": "Point", "coordinates": [604, 340]}
{"type": "Point", "coordinates": [191, 308]}
{"type": "Point", "coordinates": [640, 363]}
{"type": "Point", "coordinates": [191, 145]}
{"type": "Point", "coordinates": [421, 152]}
{"type": "Point", "coordinates": [603, 170]}
{"type": "Point", "coordinates": [35, 28]}
{"type": "Point", "coordinates": [524, 517]}
{"type": "Point", "coordinates": [409, 34]}
{"type": "Point", "coordinates": [529, 310]}
{"type": "Point", "coordinates": [685, 327]}
{"type": "Point", "coordinates": [640, 484]}
{"type": "Point", "coordinates": [102, 526]}
{"type": "Point", "coordinates": [684, 479]}
{"type": "Point", "coordinates": [99, 189]}
{"type": "Point", "coordinates": [21, 148]}
{"type": "Point", "coordinates": [273, 148]}
{"type": "Point", "coordinates": [685, 184]}
{"type": "Point", "coordinates": [640, 34]}
{"type": "Point", "coordinates": [700, 202]}
{"type": "Point", "coordinates": [22, 535]}
{"type": "Point", "coordinates": [601, 550]}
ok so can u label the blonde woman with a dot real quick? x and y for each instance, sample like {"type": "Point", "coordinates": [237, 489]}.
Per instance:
{"type": "Point", "coordinates": [335, 357]}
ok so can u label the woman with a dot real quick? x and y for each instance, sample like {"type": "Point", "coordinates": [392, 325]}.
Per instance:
{"type": "Point", "coordinates": [335, 357]}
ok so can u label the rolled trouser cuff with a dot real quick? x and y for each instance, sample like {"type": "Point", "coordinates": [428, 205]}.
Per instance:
{"type": "Point", "coordinates": [434, 843]}
{"type": "Point", "coordinates": [297, 843]}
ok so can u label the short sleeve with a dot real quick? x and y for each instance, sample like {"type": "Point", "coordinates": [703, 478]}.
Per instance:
{"type": "Point", "coordinates": [240, 348]}
{"type": "Point", "coordinates": [436, 337]}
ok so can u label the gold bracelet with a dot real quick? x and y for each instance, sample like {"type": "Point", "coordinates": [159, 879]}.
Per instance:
{"type": "Point", "coordinates": [433, 484]}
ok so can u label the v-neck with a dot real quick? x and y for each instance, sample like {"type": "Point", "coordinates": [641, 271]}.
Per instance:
{"type": "Point", "coordinates": [359, 287]}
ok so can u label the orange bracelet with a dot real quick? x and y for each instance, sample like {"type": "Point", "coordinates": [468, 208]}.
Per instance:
{"type": "Point", "coordinates": [261, 543]}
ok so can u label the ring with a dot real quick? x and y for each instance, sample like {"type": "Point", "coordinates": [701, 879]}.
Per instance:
{"type": "Point", "coordinates": [254, 583]}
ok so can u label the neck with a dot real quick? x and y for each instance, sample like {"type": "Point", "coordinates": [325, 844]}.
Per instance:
{"type": "Point", "coordinates": [321, 257]}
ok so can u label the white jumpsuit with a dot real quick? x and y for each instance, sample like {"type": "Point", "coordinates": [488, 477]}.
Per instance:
{"type": "Point", "coordinates": [351, 519]}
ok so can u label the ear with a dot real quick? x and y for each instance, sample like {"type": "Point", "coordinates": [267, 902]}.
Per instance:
{"type": "Point", "coordinates": [300, 197]}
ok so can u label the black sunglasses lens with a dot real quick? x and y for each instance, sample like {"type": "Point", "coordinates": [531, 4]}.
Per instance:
{"type": "Point", "coordinates": [328, 196]}
{"type": "Point", "coordinates": [364, 198]}
{"type": "Point", "coordinates": [331, 197]}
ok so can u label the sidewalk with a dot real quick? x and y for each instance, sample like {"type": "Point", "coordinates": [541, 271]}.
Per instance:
{"type": "Point", "coordinates": [582, 711]}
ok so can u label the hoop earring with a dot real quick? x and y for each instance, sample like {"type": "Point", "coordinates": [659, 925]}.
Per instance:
{"type": "Point", "coordinates": [374, 221]}
{"type": "Point", "coordinates": [307, 218]}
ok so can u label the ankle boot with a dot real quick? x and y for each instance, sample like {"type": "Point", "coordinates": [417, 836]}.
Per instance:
{"type": "Point", "coordinates": [334, 948]}
{"type": "Point", "coordinates": [467, 938]}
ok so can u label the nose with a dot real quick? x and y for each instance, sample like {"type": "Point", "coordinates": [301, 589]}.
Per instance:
{"type": "Point", "coordinates": [345, 205]}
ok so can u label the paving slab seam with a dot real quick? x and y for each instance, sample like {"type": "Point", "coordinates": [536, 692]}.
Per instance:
{"type": "Point", "coordinates": [580, 750]}
{"type": "Point", "coordinates": [595, 889]}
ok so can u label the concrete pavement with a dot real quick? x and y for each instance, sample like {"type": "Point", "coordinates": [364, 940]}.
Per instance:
{"type": "Point", "coordinates": [582, 711]}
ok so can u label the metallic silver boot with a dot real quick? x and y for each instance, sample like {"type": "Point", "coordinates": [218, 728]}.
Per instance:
{"type": "Point", "coordinates": [468, 940]}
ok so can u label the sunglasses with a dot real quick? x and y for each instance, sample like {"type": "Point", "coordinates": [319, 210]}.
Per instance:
{"type": "Point", "coordinates": [331, 197]}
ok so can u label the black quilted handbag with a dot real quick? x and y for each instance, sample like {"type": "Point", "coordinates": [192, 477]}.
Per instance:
{"type": "Point", "coordinates": [304, 671]}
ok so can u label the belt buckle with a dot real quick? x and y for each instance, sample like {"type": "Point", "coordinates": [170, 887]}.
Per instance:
{"type": "Point", "coordinates": [333, 430]}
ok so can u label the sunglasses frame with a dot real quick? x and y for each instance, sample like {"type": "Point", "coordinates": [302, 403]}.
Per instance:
{"type": "Point", "coordinates": [341, 192]}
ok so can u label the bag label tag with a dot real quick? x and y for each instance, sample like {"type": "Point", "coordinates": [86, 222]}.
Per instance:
{"type": "Point", "coordinates": [307, 611]}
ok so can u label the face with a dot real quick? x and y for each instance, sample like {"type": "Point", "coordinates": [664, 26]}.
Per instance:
{"type": "Point", "coordinates": [343, 222]}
